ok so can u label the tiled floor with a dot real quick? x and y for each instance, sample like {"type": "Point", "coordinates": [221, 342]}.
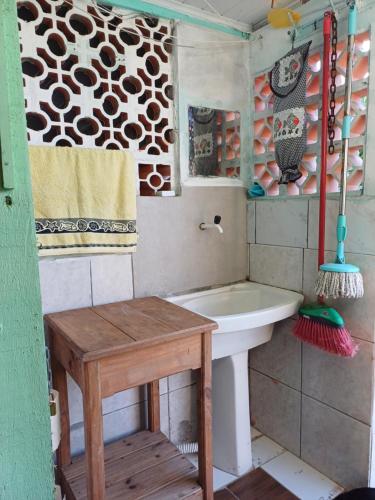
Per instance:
{"type": "Point", "coordinates": [221, 478]}
{"type": "Point", "coordinates": [302, 480]}
{"type": "Point", "coordinates": [291, 472]}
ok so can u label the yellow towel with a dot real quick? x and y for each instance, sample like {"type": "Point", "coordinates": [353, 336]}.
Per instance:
{"type": "Point", "coordinates": [84, 200]}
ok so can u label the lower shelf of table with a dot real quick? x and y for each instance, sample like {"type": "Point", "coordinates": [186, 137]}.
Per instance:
{"type": "Point", "coordinates": [145, 465]}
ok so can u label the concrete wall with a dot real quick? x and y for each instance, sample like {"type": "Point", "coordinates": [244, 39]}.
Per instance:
{"type": "Point", "coordinates": [173, 255]}
{"type": "Point", "coordinates": [209, 75]}
{"type": "Point", "coordinates": [316, 405]}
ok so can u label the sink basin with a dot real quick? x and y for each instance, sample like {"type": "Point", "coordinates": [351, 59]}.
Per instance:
{"type": "Point", "coordinates": [246, 311]}
{"type": "Point", "coordinates": [246, 314]}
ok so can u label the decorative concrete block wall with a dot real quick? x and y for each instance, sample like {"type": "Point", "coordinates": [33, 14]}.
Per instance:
{"type": "Point", "coordinates": [266, 171]}
{"type": "Point", "coordinates": [96, 77]}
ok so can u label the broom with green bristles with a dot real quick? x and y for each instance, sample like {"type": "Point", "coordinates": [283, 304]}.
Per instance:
{"type": "Point", "coordinates": [340, 279]}
{"type": "Point", "coordinates": [319, 324]}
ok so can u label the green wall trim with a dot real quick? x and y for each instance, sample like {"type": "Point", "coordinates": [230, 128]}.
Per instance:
{"type": "Point", "coordinates": [166, 13]}
{"type": "Point", "coordinates": [26, 469]}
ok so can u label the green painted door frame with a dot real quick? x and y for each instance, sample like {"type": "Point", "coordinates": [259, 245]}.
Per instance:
{"type": "Point", "coordinates": [26, 470]}
{"type": "Point", "coordinates": [167, 13]}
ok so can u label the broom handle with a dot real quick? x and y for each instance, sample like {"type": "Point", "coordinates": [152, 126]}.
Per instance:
{"type": "Point", "coordinates": [324, 136]}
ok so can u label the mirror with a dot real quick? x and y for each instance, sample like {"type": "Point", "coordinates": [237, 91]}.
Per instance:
{"type": "Point", "coordinates": [214, 142]}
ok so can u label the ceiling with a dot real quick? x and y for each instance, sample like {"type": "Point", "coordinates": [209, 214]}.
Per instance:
{"type": "Point", "coordinates": [244, 11]}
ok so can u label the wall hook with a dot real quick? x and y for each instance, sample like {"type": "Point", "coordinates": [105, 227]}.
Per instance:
{"type": "Point", "coordinates": [294, 32]}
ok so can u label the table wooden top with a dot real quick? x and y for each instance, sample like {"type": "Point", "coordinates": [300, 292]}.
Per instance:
{"type": "Point", "coordinates": [100, 331]}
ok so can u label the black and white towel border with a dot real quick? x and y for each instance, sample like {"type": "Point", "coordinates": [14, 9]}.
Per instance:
{"type": "Point", "coordinates": [81, 225]}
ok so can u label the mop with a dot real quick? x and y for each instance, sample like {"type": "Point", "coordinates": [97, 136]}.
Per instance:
{"type": "Point", "coordinates": [340, 279]}
{"type": "Point", "coordinates": [319, 324]}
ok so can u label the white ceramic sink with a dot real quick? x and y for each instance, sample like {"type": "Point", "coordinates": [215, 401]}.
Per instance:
{"type": "Point", "coordinates": [246, 314]}
{"type": "Point", "coordinates": [246, 311]}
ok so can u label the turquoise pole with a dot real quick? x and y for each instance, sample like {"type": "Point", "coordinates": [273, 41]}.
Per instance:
{"type": "Point", "coordinates": [341, 219]}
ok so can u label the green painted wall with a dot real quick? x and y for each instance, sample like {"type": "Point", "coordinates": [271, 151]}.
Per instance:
{"type": "Point", "coordinates": [25, 443]}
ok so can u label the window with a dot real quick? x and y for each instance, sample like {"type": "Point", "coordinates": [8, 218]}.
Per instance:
{"type": "Point", "coordinates": [96, 77]}
{"type": "Point", "coordinates": [265, 169]}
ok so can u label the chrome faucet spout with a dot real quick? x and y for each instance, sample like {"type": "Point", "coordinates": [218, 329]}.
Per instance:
{"type": "Point", "coordinates": [203, 225]}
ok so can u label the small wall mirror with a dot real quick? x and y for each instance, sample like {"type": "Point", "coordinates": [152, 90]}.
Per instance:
{"type": "Point", "coordinates": [214, 142]}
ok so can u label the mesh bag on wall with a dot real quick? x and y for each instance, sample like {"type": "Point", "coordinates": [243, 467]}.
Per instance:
{"type": "Point", "coordinates": [288, 83]}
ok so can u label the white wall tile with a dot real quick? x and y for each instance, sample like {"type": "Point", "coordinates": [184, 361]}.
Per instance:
{"type": "Point", "coordinates": [163, 385]}
{"type": "Point", "coordinates": [332, 207]}
{"type": "Point", "coordinates": [164, 414]}
{"type": "Point", "coordinates": [335, 444]}
{"type": "Point", "coordinates": [276, 266]}
{"type": "Point", "coordinates": [251, 209]}
{"type": "Point", "coordinates": [183, 414]}
{"type": "Point", "coordinates": [282, 222]}
{"type": "Point", "coordinates": [117, 424]}
{"type": "Point", "coordinates": [361, 234]}
{"type": "Point", "coordinates": [113, 403]}
{"type": "Point", "coordinates": [112, 278]}
{"type": "Point", "coordinates": [123, 399]}
{"type": "Point", "coordinates": [359, 314]}
{"type": "Point", "coordinates": [65, 283]}
{"type": "Point", "coordinates": [281, 357]}
{"type": "Point", "coordinates": [345, 384]}
{"type": "Point", "coordinates": [360, 220]}
{"type": "Point", "coordinates": [310, 273]}
{"type": "Point", "coordinates": [182, 379]}
{"type": "Point", "coordinates": [275, 410]}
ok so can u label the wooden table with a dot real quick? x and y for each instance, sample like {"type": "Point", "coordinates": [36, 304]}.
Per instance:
{"type": "Point", "coordinates": [110, 348]}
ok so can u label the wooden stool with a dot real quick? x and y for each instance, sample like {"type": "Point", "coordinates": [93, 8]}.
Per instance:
{"type": "Point", "coordinates": [110, 348]}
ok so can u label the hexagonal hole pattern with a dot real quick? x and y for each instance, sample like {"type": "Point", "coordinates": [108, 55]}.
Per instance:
{"type": "Point", "coordinates": [84, 75]}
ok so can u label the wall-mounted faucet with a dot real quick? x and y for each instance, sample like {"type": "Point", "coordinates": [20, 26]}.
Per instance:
{"type": "Point", "coordinates": [216, 224]}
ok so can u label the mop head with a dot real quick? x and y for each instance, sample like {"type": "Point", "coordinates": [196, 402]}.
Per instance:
{"type": "Point", "coordinates": [339, 281]}
{"type": "Point", "coordinates": [324, 328]}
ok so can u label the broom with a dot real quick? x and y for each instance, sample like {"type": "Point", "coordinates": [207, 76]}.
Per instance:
{"type": "Point", "coordinates": [340, 279]}
{"type": "Point", "coordinates": [319, 324]}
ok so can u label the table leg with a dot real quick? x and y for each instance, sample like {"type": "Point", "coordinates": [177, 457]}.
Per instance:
{"type": "Point", "coordinates": [205, 419]}
{"type": "Point", "coordinates": [93, 421]}
{"type": "Point", "coordinates": [153, 405]}
{"type": "Point", "coordinates": [63, 455]}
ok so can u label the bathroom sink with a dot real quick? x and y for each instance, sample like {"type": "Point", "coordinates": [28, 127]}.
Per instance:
{"type": "Point", "coordinates": [245, 311]}
{"type": "Point", "coordinates": [246, 314]}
